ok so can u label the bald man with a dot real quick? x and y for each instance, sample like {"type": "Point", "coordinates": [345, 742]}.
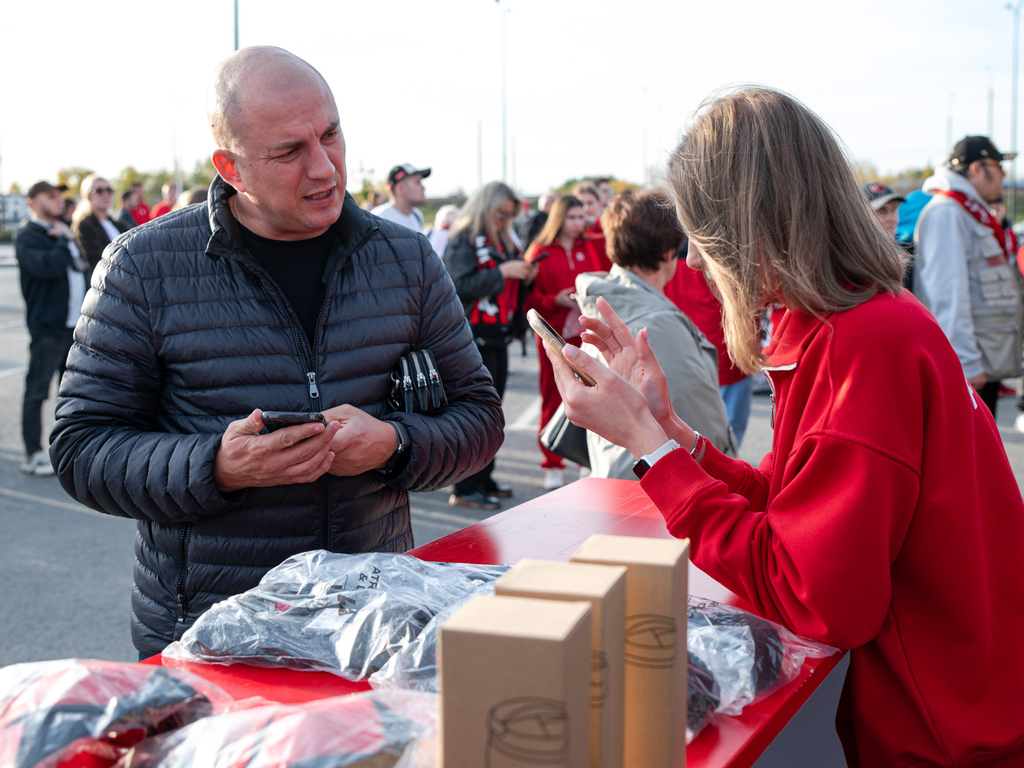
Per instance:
{"type": "Point", "coordinates": [279, 294]}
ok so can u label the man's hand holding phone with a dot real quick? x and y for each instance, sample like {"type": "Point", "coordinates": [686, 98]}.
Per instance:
{"type": "Point", "coordinates": [361, 443]}
{"type": "Point", "coordinates": [293, 454]}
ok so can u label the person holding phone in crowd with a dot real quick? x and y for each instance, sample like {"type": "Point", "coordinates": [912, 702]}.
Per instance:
{"type": "Point", "coordinates": [560, 254]}
{"type": "Point", "coordinates": [277, 294]}
{"type": "Point", "coordinates": [886, 520]}
{"type": "Point", "coordinates": [489, 276]}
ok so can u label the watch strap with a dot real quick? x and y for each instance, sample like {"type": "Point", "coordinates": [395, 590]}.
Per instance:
{"type": "Point", "coordinates": [644, 463]}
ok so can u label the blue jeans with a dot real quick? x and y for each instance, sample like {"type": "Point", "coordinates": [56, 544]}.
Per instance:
{"type": "Point", "coordinates": [737, 404]}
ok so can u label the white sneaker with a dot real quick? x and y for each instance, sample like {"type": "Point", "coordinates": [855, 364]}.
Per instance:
{"type": "Point", "coordinates": [38, 464]}
{"type": "Point", "coordinates": [1019, 423]}
{"type": "Point", "coordinates": [553, 479]}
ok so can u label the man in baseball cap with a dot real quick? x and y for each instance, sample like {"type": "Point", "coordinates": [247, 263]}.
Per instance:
{"type": "Point", "coordinates": [884, 202]}
{"type": "Point", "coordinates": [963, 269]}
{"type": "Point", "coordinates": [53, 286]}
{"type": "Point", "coordinates": [405, 192]}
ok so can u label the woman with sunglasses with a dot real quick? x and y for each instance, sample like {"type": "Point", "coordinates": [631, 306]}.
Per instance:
{"type": "Point", "coordinates": [886, 520]}
{"type": "Point", "coordinates": [483, 262]}
{"type": "Point", "coordinates": [560, 253]}
{"type": "Point", "coordinates": [91, 223]}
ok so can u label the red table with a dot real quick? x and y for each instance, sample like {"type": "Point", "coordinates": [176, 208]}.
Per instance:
{"type": "Point", "coordinates": [551, 527]}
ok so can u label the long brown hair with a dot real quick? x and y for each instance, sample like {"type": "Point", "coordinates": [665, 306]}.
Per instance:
{"type": "Point", "coordinates": [767, 196]}
{"type": "Point", "coordinates": [551, 228]}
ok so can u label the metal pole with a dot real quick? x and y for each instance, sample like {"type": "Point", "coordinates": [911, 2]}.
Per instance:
{"type": "Point", "coordinates": [479, 154]}
{"type": "Point", "coordinates": [1013, 108]}
{"type": "Point", "coordinates": [504, 102]}
{"type": "Point", "coordinates": [991, 102]}
{"type": "Point", "coordinates": [236, 25]}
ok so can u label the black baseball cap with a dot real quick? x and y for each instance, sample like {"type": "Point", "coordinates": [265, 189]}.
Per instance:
{"type": "Point", "coordinates": [44, 186]}
{"type": "Point", "coordinates": [878, 195]}
{"type": "Point", "coordinates": [971, 148]}
{"type": "Point", "coordinates": [399, 172]}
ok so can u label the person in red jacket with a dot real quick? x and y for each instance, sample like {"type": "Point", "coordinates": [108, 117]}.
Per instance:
{"type": "Point", "coordinates": [689, 290]}
{"type": "Point", "coordinates": [886, 520]}
{"type": "Point", "coordinates": [590, 196]}
{"type": "Point", "coordinates": [560, 253]}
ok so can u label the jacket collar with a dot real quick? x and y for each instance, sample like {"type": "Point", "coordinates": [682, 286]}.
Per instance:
{"type": "Point", "coordinates": [948, 179]}
{"type": "Point", "coordinates": [790, 339]}
{"type": "Point", "coordinates": [353, 226]}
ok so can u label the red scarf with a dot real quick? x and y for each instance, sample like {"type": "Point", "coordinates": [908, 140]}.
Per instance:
{"type": "Point", "coordinates": [492, 310]}
{"type": "Point", "coordinates": [1006, 238]}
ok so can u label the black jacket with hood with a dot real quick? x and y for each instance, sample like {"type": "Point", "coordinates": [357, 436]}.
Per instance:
{"type": "Point", "coordinates": [183, 332]}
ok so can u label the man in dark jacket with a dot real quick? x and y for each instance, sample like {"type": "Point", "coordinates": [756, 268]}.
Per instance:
{"type": "Point", "coordinates": [53, 285]}
{"type": "Point", "coordinates": [279, 294]}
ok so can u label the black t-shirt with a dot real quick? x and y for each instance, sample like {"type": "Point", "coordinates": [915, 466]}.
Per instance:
{"type": "Point", "coordinates": [297, 266]}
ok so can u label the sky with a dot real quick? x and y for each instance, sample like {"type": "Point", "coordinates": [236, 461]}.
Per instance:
{"type": "Point", "coordinates": [597, 88]}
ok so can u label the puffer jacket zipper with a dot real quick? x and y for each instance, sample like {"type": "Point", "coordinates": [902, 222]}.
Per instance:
{"type": "Point", "coordinates": [186, 532]}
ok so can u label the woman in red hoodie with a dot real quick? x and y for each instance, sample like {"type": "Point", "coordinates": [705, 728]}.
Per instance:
{"type": "Point", "coordinates": [560, 253]}
{"type": "Point", "coordinates": [886, 520]}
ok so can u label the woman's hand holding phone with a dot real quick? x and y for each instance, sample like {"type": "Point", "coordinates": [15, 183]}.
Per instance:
{"type": "Point", "coordinates": [612, 408]}
{"type": "Point", "coordinates": [635, 361]}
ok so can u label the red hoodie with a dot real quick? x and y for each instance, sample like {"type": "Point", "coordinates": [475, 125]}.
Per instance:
{"type": "Point", "coordinates": [885, 520]}
{"type": "Point", "coordinates": [689, 291]}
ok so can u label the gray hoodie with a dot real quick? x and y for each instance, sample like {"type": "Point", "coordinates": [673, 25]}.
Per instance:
{"type": "Point", "coordinates": [977, 304]}
{"type": "Point", "coordinates": [689, 360]}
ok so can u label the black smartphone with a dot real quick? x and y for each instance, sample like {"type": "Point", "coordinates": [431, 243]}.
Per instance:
{"type": "Point", "coordinates": [278, 419]}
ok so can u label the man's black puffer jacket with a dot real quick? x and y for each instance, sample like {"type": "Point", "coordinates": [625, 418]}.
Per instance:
{"type": "Point", "coordinates": [183, 332]}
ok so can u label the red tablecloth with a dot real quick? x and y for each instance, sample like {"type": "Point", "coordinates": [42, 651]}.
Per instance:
{"type": "Point", "coordinates": [551, 527]}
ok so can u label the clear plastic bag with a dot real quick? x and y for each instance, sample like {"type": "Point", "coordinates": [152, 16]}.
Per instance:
{"type": "Point", "coordinates": [382, 729]}
{"type": "Point", "coordinates": [85, 712]}
{"type": "Point", "coordinates": [736, 658]}
{"type": "Point", "coordinates": [414, 667]}
{"type": "Point", "coordinates": [345, 614]}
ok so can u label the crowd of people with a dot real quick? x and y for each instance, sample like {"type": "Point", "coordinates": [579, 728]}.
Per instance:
{"type": "Point", "coordinates": [886, 520]}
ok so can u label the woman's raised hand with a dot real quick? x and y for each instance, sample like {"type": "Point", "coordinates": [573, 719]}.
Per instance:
{"type": "Point", "coordinates": [613, 409]}
{"type": "Point", "coordinates": [632, 359]}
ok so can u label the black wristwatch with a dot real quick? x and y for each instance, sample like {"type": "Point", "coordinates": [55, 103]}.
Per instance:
{"type": "Point", "coordinates": [644, 463]}
{"type": "Point", "coordinates": [399, 457]}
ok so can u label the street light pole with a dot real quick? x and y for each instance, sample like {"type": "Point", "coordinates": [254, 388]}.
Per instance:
{"type": "Point", "coordinates": [1013, 106]}
{"type": "Point", "coordinates": [505, 141]}
{"type": "Point", "coordinates": [236, 25]}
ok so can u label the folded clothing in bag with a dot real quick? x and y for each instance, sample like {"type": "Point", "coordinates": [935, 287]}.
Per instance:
{"type": "Point", "coordinates": [345, 614]}
{"type": "Point", "coordinates": [374, 729]}
{"type": "Point", "coordinates": [88, 713]}
{"type": "Point", "coordinates": [737, 658]}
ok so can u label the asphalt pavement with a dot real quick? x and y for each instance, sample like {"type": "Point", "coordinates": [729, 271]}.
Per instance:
{"type": "Point", "coordinates": [65, 571]}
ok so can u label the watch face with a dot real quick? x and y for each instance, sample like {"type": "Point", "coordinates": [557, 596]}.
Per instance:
{"type": "Point", "coordinates": [640, 467]}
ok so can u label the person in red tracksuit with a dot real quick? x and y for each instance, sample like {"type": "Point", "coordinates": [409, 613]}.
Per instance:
{"type": "Point", "coordinates": [594, 234]}
{"type": "Point", "coordinates": [560, 254]}
{"type": "Point", "coordinates": [886, 520]}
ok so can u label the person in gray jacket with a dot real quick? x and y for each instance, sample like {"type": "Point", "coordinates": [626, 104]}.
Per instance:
{"type": "Point", "coordinates": [964, 272]}
{"type": "Point", "coordinates": [279, 293]}
{"type": "Point", "coordinates": [643, 238]}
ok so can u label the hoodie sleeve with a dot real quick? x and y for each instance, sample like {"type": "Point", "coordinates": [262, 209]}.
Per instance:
{"type": "Point", "coordinates": [944, 239]}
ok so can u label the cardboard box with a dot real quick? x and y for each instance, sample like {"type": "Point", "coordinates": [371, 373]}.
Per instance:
{"type": "Point", "coordinates": [604, 587]}
{"type": "Point", "coordinates": [515, 684]}
{"type": "Point", "coordinates": [655, 710]}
